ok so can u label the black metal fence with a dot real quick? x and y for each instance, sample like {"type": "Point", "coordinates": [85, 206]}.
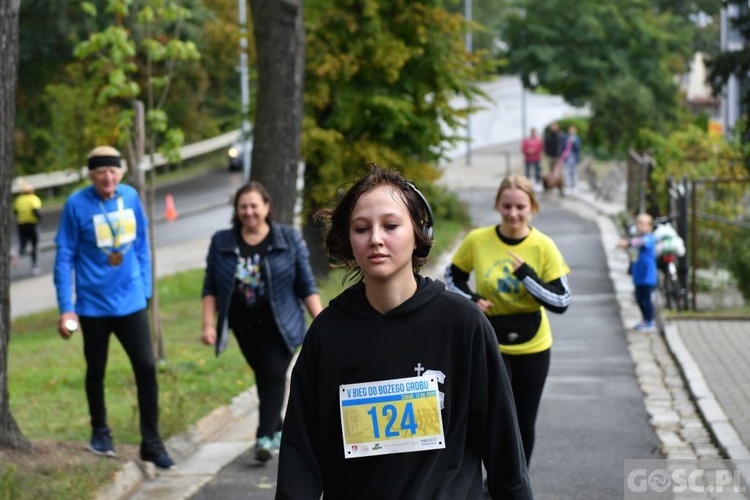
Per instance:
{"type": "Point", "coordinates": [719, 212]}
{"type": "Point", "coordinates": [707, 213]}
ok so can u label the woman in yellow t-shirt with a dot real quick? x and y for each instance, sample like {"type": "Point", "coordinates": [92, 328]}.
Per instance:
{"type": "Point", "coordinates": [520, 273]}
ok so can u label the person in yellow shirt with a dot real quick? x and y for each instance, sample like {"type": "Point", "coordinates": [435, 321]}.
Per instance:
{"type": "Point", "coordinates": [520, 275]}
{"type": "Point", "coordinates": [27, 208]}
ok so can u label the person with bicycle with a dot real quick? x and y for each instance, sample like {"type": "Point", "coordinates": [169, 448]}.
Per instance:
{"type": "Point", "coordinates": [669, 248]}
{"type": "Point", "coordinates": [642, 252]}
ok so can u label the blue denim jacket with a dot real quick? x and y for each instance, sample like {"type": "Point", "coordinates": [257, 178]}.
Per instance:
{"type": "Point", "coordinates": [290, 280]}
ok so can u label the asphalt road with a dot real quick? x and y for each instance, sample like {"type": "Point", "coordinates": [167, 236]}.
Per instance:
{"type": "Point", "coordinates": [592, 416]}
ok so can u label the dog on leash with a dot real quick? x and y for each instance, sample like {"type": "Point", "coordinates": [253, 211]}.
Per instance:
{"type": "Point", "coordinates": [554, 180]}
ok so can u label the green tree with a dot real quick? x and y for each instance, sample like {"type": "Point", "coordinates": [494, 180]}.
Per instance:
{"type": "Point", "coordinates": [73, 128]}
{"type": "Point", "coordinates": [739, 261]}
{"type": "Point", "coordinates": [380, 80]}
{"type": "Point", "coordinates": [575, 48]}
{"type": "Point", "coordinates": [619, 130]}
{"type": "Point", "coordinates": [487, 22]}
{"type": "Point", "coordinates": [135, 58]}
{"type": "Point", "coordinates": [219, 48]}
{"type": "Point", "coordinates": [48, 66]}
{"type": "Point", "coordinates": [693, 153]}
{"type": "Point", "coordinates": [701, 17]}
{"type": "Point", "coordinates": [45, 49]}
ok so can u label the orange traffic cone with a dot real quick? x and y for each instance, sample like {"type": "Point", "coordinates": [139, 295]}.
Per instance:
{"type": "Point", "coordinates": [170, 213]}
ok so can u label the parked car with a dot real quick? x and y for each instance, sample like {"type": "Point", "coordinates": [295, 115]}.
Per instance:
{"type": "Point", "coordinates": [236, 151]}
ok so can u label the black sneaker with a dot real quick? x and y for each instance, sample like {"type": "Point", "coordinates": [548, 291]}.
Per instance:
{"type": "Point", "coordinates": [159, 457]}
{"type": "Point", "coordinates": [101, 442]}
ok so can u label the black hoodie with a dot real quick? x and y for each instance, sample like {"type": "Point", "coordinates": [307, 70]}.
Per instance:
{"type": "Point", "coordinates": [350, 342]}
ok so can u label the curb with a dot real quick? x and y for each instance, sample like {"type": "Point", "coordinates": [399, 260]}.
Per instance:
{"type": "Point", "coordinates": [181, 446]}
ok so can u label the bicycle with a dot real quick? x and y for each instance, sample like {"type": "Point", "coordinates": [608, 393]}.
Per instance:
{"type": "Point", "coordinates": [669, 246]}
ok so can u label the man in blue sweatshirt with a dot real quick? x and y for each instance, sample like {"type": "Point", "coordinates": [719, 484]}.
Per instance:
{"type": "Point", "coordinates": [103, 242]}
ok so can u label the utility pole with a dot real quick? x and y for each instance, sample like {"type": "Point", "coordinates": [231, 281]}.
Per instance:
{"type": "Point", "coordinates": [523, 87]}
{"type": "Point", "coordinates": [140, 148]}
{"type": "Point", "coordinates": [245, 89]}
{"type": "Point", "coordinates": [523, 110]}
{"type": "Point", "coordinates": [469, 49]}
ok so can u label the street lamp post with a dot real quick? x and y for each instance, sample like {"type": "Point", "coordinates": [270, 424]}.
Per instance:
{"type": "Point", "coordinates": [469, 48]}
{"type": "Point", "coordinates": [523, 110]}
{"type": "Point", "coordinates": [532, 83]}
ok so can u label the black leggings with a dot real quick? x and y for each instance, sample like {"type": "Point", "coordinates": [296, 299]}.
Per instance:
{"type": "Point", "coordinates": [527, 373]}
{"type": "Point", "coordinates": [643, 299]}
{"type": "Point", "coordinates": [27, 233]}
{"type": "Point", "coordinates": [134, 334]}
{"type": "Point", "coordinates": [268, 355]}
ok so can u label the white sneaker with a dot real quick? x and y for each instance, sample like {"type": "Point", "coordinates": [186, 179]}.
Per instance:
{"type": "Point", "coordinates": [36, 271]}
{"type": "Point", "coordinates": [645, 326]}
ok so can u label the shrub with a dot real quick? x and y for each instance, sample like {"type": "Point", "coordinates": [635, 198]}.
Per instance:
{"type": "Point", "coordinates": [738, 262]}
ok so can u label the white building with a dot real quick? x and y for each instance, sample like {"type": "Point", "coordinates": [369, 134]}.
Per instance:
{"type": "Point", "coordinates": [731, 40]}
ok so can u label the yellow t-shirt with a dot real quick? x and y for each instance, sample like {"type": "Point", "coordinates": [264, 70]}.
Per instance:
{"type": "Point", "coordinates": [483, 252]}
{"type": "Point", "coordinates": [24, 206]}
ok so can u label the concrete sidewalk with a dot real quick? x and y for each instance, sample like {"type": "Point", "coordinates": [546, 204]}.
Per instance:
{"type": "Point", "coordinates": [707, 353]}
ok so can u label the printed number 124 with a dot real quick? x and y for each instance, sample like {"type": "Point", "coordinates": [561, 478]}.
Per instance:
{"type": "Point", "coordinates": [408, 422]}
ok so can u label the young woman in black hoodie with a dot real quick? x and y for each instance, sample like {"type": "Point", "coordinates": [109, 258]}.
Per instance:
{"type": "Point", "coordinates": [399, 391]}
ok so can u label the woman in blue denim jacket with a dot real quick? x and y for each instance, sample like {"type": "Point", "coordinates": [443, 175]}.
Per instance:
{"type": "Point", "coordinates": [258, 276]}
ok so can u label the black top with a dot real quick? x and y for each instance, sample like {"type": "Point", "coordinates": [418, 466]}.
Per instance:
{"type": "Point", "coordinates": [433, 332]}
{"type": "Point", "coordinates": [250, 290]}
{"type": "Point", "coordinates": [553, 143]}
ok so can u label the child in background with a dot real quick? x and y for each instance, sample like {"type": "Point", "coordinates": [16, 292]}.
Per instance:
{"type": "Point", "coordinates": [642, 252]}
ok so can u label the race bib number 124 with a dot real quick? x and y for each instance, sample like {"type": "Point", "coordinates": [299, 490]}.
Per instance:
{"type": "Point", "coordinates": [391, 416]}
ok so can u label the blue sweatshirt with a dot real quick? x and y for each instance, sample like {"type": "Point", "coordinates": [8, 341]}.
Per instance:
{"type": "Point", "coordinates": [85, 240]}
{"type": "Point", "coordinates": [644, 266]}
